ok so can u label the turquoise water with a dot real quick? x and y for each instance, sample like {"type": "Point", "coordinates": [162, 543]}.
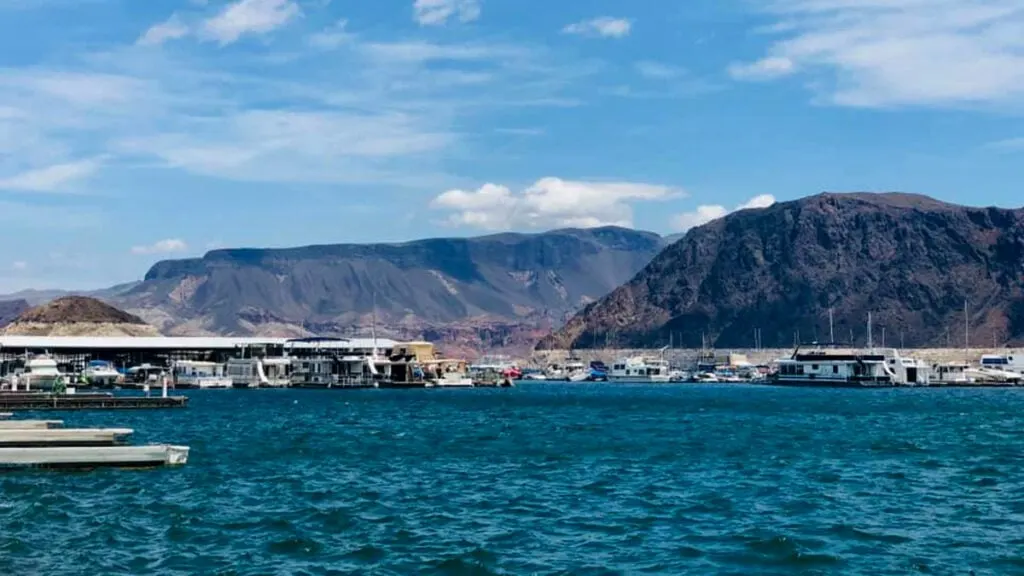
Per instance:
{"type": "Point", "coordinates": [544, 479]}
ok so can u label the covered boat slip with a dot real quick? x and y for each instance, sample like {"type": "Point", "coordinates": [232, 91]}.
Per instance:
{"type": "Point", "coordinates": [94, 457]}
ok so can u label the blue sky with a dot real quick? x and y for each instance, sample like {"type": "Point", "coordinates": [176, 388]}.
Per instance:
{"type": "Point", "coordinates": [133, 131]}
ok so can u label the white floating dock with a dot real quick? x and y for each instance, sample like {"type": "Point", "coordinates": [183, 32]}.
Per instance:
{"type": "Point", "coordinates": [94, 457]}
{"type": "Point", "coordinates": [5, 415]}
{"type": "Point", "coordinates": [63, 437]}
{"type": "Point", "coordinates": [30, 424]}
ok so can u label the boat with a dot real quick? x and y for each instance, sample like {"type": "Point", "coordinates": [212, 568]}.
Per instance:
{"type": "Point", "coordinates": [641, 369]}
{"type": "Point", "coordinates": [598, 371]}
{"type": "Point", "coordinates": [195, 374]}
{"type": "Point", "coordinates": [872, 368]}
{"type": "Point", "coordinates": [451, 374]}
{"type": "Point", "coordinates": [494, 371]}
{"type": "Point", "coordinates": [534, 374]}
{"type": "Point", "coordinates": [269, 372]}
{"type": "Point", "coordinates": [39, 373]}
{"type": "Point", "coordinates": [1013, 363]}
{"type": "Point", "coordinates": [102, 374]}
{"type": "Point", "coordinates": [143, 375]}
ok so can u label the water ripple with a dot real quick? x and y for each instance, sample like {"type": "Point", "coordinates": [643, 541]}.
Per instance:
{"type": "Point", "coordinates": [544, 479]}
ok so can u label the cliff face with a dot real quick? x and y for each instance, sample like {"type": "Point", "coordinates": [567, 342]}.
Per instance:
{"type": "Point", "coordinates": [909, 260]}
{"type": "Point", "coordinates": [496, 290]}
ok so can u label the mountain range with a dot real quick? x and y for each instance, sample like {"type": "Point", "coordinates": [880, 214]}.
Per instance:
{"type": "Point", "coordinates": [770, 277]}
{"type": "Point", "coordinates": [504, 290]}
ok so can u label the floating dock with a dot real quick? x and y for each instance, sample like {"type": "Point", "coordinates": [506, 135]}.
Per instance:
{"type": "Point", "coordinates": [63, 437]}
{"type": "Point", "coordinates": [97, 457]}
{"type": "Point", "coordinates": [33, 401]}
{"type": "Point", "coordinates": [30, 424]}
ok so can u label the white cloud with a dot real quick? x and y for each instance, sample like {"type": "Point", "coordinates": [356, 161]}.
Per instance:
{"type": "Point", "coordinates": [282, 146]}
{"type": "Point", "coordinates": [249, 17]}
{"type": "Point", "coordinates": [19, 265]}
{"type": "Point", "coordinates": [168, 246]}
{"type": "Point", "coordinates": [708, 212]}
{"type": "Point", "coordinates": [548, 203]}
{"type": "Point", "coordinates": [886, 53]}
{"type": "Point", "coordinates": [604, 26]}
{"type": "Point", "coordinates": [763, 69]}
{"type": "Point", "coordinates": [172, 29]}
{"type": "Point", "coordinates": [55, 178]}
{"type": "Point", "coordinates": [439, 12]}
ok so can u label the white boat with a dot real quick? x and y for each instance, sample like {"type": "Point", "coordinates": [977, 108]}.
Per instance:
{"type": "Point", "coordinates": [144, 374]}
{"type": "Point", "coordinates": [271, 372]}
{"type": "Point", "coordinates": [101, 373]}
{"type": "Point", "coordinates": [1013, 363]}
{"type": "Point", "coordinates": [193, 374]}
{"type": "Point", "coordinates": [450, 374]}
{"type": "Point", "coordinates": [640, 369]}
{"type": "Point", "coordinates": [39, 373]}
{"type": "Point", "coordinates": [851, 368]}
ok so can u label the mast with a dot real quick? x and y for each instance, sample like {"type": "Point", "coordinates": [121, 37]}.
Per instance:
{"type": "Point", "coordinates": [967, 334]}
{"type": "Point", "coordinates": [831, 328]}
{"type": "Point", "coordinates": [870, 343]}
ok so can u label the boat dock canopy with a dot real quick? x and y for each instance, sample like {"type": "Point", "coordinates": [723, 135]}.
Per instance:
{"type": "Point", "coordinates": [56, 343]}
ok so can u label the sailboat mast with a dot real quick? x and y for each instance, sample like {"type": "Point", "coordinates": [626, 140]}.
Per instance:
{"type": "Point", "coordinates": [967, 334]}
{"type": "Point", "coordinates": [870, 343]}
{"type": "Point", "coordinates": [831, 329]}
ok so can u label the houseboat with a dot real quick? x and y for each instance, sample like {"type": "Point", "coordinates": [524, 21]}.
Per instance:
{"type": "Point", "coordinates": [193, 374]}
{"type": "Point", "coordinates": [851, 368]}
{"type": "Point", "coordinates": [270, 372]}
{"type": "Point", "coordinates": [640, 369]}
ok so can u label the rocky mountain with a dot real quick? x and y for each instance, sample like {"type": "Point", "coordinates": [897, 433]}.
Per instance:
{"type": "Point", "coordinates": [10, 310]}
{"type": "Point", "coordinates": [78, 316]}
{"type": "Point", "coordinates": [489, 291]}
{"type": "Point", "coordinates": [909, 260]}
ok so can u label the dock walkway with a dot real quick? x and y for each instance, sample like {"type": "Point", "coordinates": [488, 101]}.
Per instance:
{"type": "Point", "coordinates": [16, 402]}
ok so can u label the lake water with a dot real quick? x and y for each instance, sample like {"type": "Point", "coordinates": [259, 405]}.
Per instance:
{"type": "Point", "coordinates": [544, 479]}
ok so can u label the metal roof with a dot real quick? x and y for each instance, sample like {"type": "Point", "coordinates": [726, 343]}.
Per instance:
{"type": "Point", "coordinates": [183, 343]}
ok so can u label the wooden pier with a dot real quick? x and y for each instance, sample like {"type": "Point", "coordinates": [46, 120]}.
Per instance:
{"type": "Point", "coordinates": [33, 401]}
{"type": "Point", "coordinates": [96, 457]}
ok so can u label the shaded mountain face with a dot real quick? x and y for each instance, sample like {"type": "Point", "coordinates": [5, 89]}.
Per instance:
{"type": "Point", "coordinates": [10, 310]}
{"type": "Point", "coordinates": [494, 288]}
{"type": "Point", "coordinates": [909, 260]}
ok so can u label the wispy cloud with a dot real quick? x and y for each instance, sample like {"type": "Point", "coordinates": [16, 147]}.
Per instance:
{"type": "Point", "coordinates": [172, 29]}
{"type": "Point", "coordinates": [708, 212]}
{"type": "Point", "coordinates": [168, 246]}
{"type": "Point", "coordinates": [548, 203]}
{"type": "Point", "coordinates": [440, 12]}
{"type": "Point", "coordinates": [884, 53]}
{"type": "Point", "coordinates": [603, 27]}
{"type": "Point", "coordinates": [1007, 145]}
{"type": "Point", "coordinates": [56, 178]}
{"type": "Point", "coordinates": [249, 17]}
{"type": "Point", "coordinates": [332, 37]}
